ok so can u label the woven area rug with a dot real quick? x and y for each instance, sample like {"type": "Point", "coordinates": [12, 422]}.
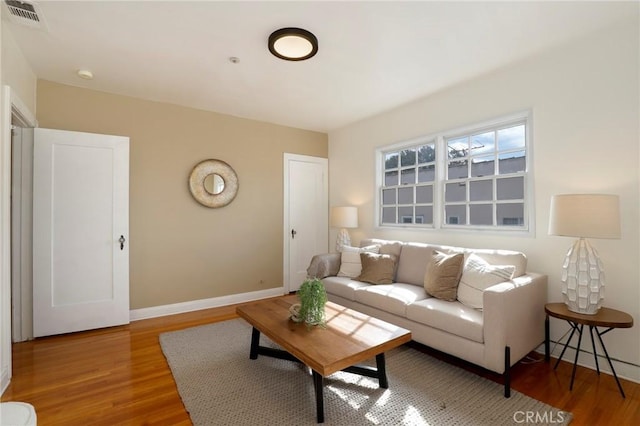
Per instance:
{"type": "Point", "coordinates": [220, 385]}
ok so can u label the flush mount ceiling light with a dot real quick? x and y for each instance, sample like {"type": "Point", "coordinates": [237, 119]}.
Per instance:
{"type": "Point", "coordinates": [293, 44]}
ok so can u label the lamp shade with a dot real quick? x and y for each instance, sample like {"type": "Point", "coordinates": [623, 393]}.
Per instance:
{"type": "Point", "coordinates": [585, 215]}
{"type": "Point", "coordinates": [344, 217]}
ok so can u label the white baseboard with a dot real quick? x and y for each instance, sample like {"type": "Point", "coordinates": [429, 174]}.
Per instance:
{"type": "Point", "coordinates": [623, 370]}
{"type": "Point", "coordinates": [196, 305]}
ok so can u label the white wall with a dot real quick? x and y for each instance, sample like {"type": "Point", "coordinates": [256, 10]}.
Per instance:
{"type": "Point", "coordinates": [585, 102]}
{"type": "Point", "coordinates": [5, 288]}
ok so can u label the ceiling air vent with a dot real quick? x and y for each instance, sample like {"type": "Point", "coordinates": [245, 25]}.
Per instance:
{"type": "Point", "coordinates": [25, 13]}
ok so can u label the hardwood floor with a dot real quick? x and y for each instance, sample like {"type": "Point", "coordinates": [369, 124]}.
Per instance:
{"type": "Point", "coordinates": [119, 376]}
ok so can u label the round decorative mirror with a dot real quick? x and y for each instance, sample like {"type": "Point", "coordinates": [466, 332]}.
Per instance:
{"type": "Point", "coordinates": [213, 183]}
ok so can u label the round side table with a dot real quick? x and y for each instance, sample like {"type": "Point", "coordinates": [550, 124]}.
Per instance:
{"type": "Point", "coordinates": [605, 317]}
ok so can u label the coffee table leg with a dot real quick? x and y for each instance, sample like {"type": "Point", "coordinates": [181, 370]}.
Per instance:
{"type": "Point", "coordinates": [318, 384]}
{"type": "Point", "coordinates": [382, 371]}
{"type": "Point", "coordinates": [255, 342]}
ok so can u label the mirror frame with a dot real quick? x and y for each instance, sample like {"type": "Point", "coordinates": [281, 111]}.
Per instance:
{"type": "Point", "coordinates": [204, 197]}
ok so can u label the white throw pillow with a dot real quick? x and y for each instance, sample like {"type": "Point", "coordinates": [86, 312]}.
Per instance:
{"type": "Point", "coordinates": [477, 276]}
{"type": "Point", "coordinates": [350, 265]}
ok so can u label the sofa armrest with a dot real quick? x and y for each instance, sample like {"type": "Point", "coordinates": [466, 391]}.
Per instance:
{"type": "Point", "coordinates": [514, 316]}
{"type": "Point", "coordinates": [324, 265]}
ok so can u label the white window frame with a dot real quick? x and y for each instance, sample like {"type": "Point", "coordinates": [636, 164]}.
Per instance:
{"type": "Point", "coordinates": [439, 217]}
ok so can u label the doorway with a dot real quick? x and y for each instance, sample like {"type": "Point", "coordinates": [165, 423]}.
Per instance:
{"type": "Point", "coordinates": [14, 113]}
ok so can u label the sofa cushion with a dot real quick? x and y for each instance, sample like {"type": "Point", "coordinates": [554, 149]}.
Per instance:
{"type": "Point", "coordinates": [413, 263]}
{"type": "Point", "coordinates": [479, 275]}
{"type": "Point", "coordinates": [452, 317]}
{"type": "Point", "coordinates": [342, 286]}
{"type": "Point", "coordinates": [503, 257]}
{"type": "Point", "coordinates": [443, 275]}
{"type": "Point", "coordinates": [350, 265]}
{"type": "Point", "coordinates": [377, 268]}
{"type": "Point", "coordinates": [392, 298]}
{"type": "Point", "coordinates": [386, 246]}
{"type": "Point", "coordinates": [324, 265]}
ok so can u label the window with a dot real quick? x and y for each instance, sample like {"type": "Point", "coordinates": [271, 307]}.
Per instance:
{"type": "Point", "coordinates": [408, 185]}
{"type": "Point", "coordinates": [471, 178]}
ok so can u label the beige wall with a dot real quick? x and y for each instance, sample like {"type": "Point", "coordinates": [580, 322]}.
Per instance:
{"type": "Point", "coordinates": [182, 251]}
{"type": "Point", "coordinates": [585, 103]}
{"type": "Point", "coordinates": [16, 71]}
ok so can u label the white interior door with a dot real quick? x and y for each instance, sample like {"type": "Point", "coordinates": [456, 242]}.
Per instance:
{"type": "Point", "coordinates": [80, 216]}
{"type": "Point", "coordinates": [306, 215]}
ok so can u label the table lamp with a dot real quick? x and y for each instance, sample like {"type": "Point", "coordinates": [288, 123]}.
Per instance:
{"type": "Point", "coordinates": [584, 216]}
{"type": "Point", "coordinates": [343, 217]}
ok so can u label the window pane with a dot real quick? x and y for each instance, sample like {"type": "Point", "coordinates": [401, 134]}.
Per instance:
{"type": "Point", "coordinates": [456, 215]}
{"type": "Point", "coordinates": [408, 157]}
{"type": "Point", "coordinates": [391, 161]}
{"type": "Point", "coordinates": [405, 195]}
{"type": "Point", "coordinates": [391, 178]}
{"type": "Point", "coordinates": [483, 144]}
{"type": "Point", "coordinates": [427, 154]}
{"type": "Point", "coordinates": [481, 214]}
{"type": "Point", "coordinates": [427, 173]}
{"type": "Point", "coordinates": [455, 192]}
{"type": "Point", "coordinates": [405, 214]}
{"type": "Point", "coordinates": [388, 215]}
{"type": "Point", "coordinates": [408, 176]}
{"type": "Point", "coordinates": [512, 162]}
{"type": "Point", "coordinates": [510, 188]}
{"type": "Point", "coordinates": [482, 166]}
{"type": "Point", "coordinates": [424, 194]}
{"type": "Point", "coordinates": [458, 147]}
{"type": "Point", "coordinates": [481, 190]}
{"type": "Point", "coordinates": [511, 138]}
{"type": "Point", "coordinates": [388, 196]}
{"type": "Point", "coordinates": [511, 214]}
{"type": "Point", "coordinates": [424, 214]}
{"type": "Point", "coordinates": [457, 169]}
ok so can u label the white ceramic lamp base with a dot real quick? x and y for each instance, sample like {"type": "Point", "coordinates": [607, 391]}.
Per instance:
{"type": "Point", "coordinates": [342, 240]}
{"type": "Point", "coordinates": [583, 279]}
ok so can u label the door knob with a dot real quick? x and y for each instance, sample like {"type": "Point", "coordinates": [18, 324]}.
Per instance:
{"type": "Point", "coordinates": [121, 240]}
{"type": "Point", "coordinates": [293, 233]}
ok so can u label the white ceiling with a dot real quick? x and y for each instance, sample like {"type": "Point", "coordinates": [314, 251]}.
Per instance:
{"type": "Point", "coordinates": [373, 56]}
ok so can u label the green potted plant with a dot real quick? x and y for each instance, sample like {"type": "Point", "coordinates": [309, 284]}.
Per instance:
{"type": "Point", "coordinates": [313, 297]}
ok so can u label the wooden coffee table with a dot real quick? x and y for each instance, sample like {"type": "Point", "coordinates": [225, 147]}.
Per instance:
{"type": "Point", "coordinates": [349, 338]}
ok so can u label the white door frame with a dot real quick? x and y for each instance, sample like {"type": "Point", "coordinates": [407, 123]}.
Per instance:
{"type": "Point", "coordinates": [12, 106]}
{"type": "Point", "coordinates": [22, 232]}
{"type": "Point", "coordinates": [286, 222]}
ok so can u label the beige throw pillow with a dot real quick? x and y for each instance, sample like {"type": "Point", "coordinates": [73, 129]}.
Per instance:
{"type": "Point", "coordinates": [350, 265]}
{"type": "Point", "coordinates": [377, 268]}
{"type": "Point", "coordinates": [443, 275]}
{"type": "Point", "coordinates": [479, 275]}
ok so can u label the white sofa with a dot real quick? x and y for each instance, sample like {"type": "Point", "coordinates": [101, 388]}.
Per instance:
{"type": "Point", "coordinates": [507, 328]}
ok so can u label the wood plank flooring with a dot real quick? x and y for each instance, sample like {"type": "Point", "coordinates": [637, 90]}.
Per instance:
{"type": "Point", "coordinates": [119, 376]}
